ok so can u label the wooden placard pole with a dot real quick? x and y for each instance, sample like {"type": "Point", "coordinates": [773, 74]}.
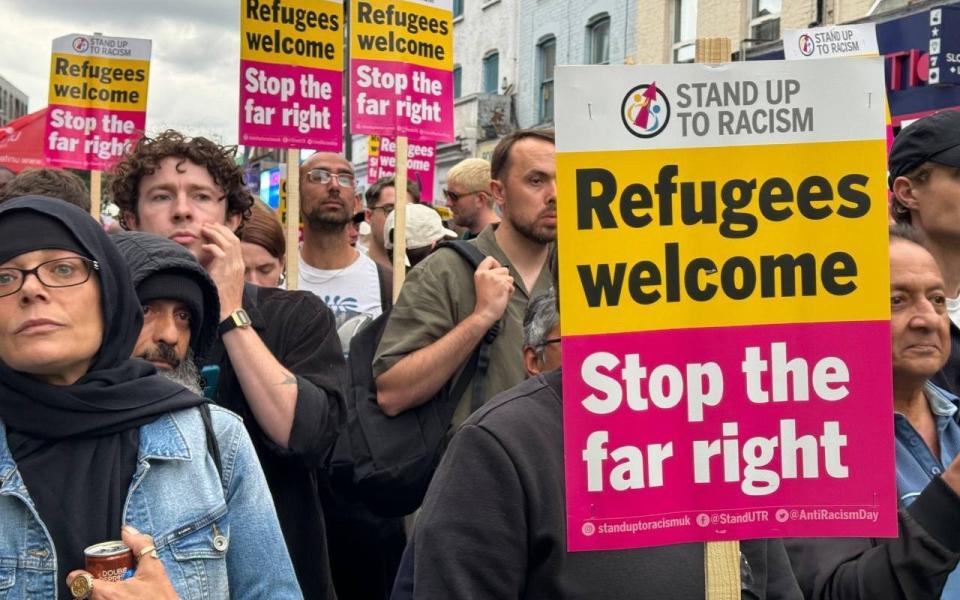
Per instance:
{"type": "Point", "coordinates": [95, 186]}
{"type": "Point", "coordinates": [293, 218]}
{"type": "Point", "coordinates": [400, 212]}
{"type": "Point", "coordinates": [721, 559]}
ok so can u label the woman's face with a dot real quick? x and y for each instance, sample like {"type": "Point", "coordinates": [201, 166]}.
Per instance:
{"type": "Point", "coordinates": [52, 333]}
{"type": "Point", "coordinates": [260, 267]}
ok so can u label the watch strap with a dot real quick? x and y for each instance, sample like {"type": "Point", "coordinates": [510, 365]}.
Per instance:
{"type": "Point", "coordinates": [238, 318]}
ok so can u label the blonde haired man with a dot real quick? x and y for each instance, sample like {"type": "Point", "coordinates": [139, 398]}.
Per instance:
{"type": "Point", "coordinates": [468, 196]}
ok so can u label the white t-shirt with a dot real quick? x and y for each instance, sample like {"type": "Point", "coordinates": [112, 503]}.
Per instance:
{"type": "Point", "coordinates": [348, 291]}
{"type": "Point", "coordinates": [953, 309]}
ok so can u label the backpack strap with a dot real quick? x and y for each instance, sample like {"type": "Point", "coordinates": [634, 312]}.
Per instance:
{"type": "Point", "coordinates": [385, 277]}
{"type": "Point", "coordinates": [213, 448]}
{"type": "Point", "coordinates": [480, 359]}
{"type": "Point", "coordinates": [469, 252]}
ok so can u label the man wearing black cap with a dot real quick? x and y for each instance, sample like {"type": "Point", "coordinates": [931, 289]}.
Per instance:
{"type": "Point", "coordinates": [179, 303]}
{"type": "Point", "coordinates": [924, 169]}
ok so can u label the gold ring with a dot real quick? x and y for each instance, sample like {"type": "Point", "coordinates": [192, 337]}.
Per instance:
{"type": "Point", "coordinates": [82, 586]}
{"type": "Point", "coordinates": [150, 551]}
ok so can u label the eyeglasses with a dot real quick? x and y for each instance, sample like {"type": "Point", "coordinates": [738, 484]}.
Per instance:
{"type": "Point", "coordinates": [386, 208]}
{"type": "Point", "coordinates": [545, 343]}
{"type": "Point", "coordinates": [56, 273]}
{"type": "Point", "coordinates": [454, 196]}
{"type": "Point", "coordinates": [323, 176]}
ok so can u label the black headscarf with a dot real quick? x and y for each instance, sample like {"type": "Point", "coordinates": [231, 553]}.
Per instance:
{"type": "Point", "coordinates": [76, 445]}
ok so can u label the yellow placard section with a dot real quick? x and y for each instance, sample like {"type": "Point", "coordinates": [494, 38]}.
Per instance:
{"type": "Point", "coordinates": [373, 145]}
{"type": "Point", "coordinates": [401, 32]}
{"type": "Point", "coordinates": [715, 237]}
{"type": "Point", "coordinates": [304, 33]}
{"type": "Point", "coordinates": [105, 83]}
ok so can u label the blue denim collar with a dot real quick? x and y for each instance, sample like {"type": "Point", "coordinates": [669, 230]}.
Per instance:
{"type": "Point", "coordinates": [163, 440]}
{"type": "Point", "coordinates": [942, 403]}
{"type": "Point", "coordinates": [8, 467]}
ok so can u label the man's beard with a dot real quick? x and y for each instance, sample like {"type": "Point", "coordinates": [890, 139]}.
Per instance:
{"type": "Point", "coordinates": [184, 372]}
{"type": "Point", "coordinates": [539, 235]}
{"type": "Point", "coordinates": [320, 220]}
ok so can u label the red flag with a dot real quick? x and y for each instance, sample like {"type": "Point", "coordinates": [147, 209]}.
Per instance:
{"type": "Point", "coordinates": [21, 142]}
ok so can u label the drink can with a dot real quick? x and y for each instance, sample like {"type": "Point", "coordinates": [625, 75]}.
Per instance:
{"type": "Point", "coordinates": [110, 561]}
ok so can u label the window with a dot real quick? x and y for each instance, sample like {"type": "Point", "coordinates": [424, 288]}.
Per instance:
{"type": "Point", "coordinates": [457, 8]}
{"type": "Point", "coordinates": [457, 81]}
{"type": "Point", "coordinates": [765, 19]}
{"type": "Point", "coordinates": [491, 72]}
{"type": "Point", "coordinates": [684, 30]}
{"type": "Point", "coordinates": [598, 41]}
{"type": "Point", "coordinates": [546, 59]}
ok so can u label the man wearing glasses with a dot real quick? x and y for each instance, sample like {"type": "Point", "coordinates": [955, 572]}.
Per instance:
{"type": "Point", "coordinates": [381, 198]}
{"type": "Point", "coordinates": [348, 281]}
{"type": "Point", "coordinates": [364, 549]}
{"type": "Point", "coordinates": [468, 196]}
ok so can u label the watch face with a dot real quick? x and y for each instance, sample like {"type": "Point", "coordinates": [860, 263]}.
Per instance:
{"type": "Point", "coordinates": [241, 318]}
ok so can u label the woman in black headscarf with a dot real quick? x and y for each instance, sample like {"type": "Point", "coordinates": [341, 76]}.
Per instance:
{"type": "Point", "coordinates": [82, 419]}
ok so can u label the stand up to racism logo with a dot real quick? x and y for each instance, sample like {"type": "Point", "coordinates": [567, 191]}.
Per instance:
{"type": "Point", "coordinates": [645, 110]}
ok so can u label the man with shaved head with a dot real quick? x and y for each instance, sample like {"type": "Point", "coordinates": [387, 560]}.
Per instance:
{"type": "Point", "coordinates": [364, 549]}
{"type": "Point", "coordinates": [347, 280]}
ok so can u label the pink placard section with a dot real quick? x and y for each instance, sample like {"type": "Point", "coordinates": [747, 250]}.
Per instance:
{"type": "Point", "coordinates": [89, 138]}
{"type": "Point", "coordinates": [290, 106]}
{"type": "Point", "coordinates": [390, 98]}
{"type": "Point", "coordinates": [728, 434]}
{"type": "Point", "coordinates": [421, 159]}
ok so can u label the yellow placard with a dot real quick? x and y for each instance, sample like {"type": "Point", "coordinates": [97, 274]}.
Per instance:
{"type": "Point", "coordinates": [303, 33]}
{"type": "Point", "coordinates": [105, 83]}
{"type": "Point", "coordinates": [399, 31]}
{"type": "Point", "coordinates": [714, 237]}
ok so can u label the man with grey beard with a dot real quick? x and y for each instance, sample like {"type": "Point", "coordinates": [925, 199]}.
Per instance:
{"type": "Point", "coordinates": [180, 305]}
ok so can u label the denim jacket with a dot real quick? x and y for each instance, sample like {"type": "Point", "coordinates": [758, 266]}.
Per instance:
{"type": "Point", "coordinates": [216, 538]}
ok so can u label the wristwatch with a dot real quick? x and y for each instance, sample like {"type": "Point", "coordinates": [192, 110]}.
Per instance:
{"type": "Point", "coordinates": [238, 318]}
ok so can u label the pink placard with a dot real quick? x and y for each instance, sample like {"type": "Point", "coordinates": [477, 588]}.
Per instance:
{"type": "Point", "coordinates": [393, 99]}
{"type": "Point", "coordinates": [421, 160]}
{"type": "Point", "coordinates": [89, 138]}
{"type": "Point", "coordinates": [728, 434]}
{"type": "Point", "coordinates": [289, 106]}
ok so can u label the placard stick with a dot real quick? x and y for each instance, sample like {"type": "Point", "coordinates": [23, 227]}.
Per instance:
{"type": "Point", "coordinates": [721, 559]}
{"type": "Point", "coordinates": [400, 210]}
{"type": "Point", "coordinates": [722, 570]}
{"type": "Point", "coordinates": [293, 218]}
{"type": "Point", "coordinates": [95, 195]}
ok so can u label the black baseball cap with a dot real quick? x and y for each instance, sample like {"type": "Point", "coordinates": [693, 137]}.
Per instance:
{"type": "Point", "coordinates": [931, 139]}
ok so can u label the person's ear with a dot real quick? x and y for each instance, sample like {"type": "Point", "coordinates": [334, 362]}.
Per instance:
{"type": "Point", "coordinates": [498, 192]}
{"type": "Point", "coordinates": [129, 220]}
{"type": "Point", "coordinates": [233, 221]}
{"type": "Point", "coordinates": [530, 361]}
{"type": "Point", "coordinates": [904, 190]}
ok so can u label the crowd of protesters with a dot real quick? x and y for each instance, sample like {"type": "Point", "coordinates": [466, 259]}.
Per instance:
{"type": "Point", "coordinates": [161, 386]}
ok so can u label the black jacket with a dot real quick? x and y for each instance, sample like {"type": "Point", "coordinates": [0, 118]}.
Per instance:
{"type": "Point", "coordinates": [913, 566]}
{"type": "Point", "coordinates": [493, 524]}
{"type": "Point", "coordinates": [299, 329]}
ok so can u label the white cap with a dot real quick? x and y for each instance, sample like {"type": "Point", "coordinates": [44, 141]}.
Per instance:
{"type": "Point", "coordinates": [424, 227]}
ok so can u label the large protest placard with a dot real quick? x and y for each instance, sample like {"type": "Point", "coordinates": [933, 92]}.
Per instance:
{"type": "Point", "coordinates": [291, 74]}
{"type": "Point", "coordinates": [97, 100]}
{"type": "Point", "coordinates": [401, 68]}
{"type": "Point", "coordinates": [421, 160]}
{"type": "Point", "coordinates": [724, 302]}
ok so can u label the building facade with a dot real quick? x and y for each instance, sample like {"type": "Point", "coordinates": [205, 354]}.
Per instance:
{"type": "Point", "coordinates": [567, 32]}
{"type": "Point", "coordinates": [13, 102]}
